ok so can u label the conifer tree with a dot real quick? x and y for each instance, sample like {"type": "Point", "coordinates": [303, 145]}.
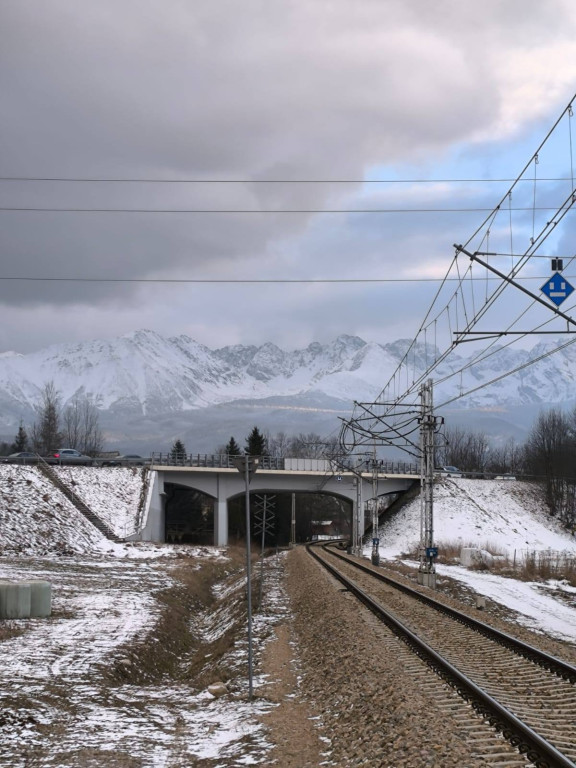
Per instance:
{"type": "Point", "coordinates": [256, 443]}
{"type": "Point", "coordinates": [178, 451]}
{"type": "Point", "coordinates": [21, 440]}
{"type": "Point", "coordinates": [232, 448]}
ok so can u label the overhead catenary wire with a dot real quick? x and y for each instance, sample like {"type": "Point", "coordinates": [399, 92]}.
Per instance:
{"type": "Point", "coordinates": [535, 243]}
{"type": "Point", "coordinates": [380, 427]}
{"type": "Point", "coordinates": [517, 369]}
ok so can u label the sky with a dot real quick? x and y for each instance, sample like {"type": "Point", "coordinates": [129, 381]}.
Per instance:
{"type": "Point", "coordinates": [264, 117]}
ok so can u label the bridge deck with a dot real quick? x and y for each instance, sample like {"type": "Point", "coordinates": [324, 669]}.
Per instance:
{"type": "Point", "coordinates": [289, 472]}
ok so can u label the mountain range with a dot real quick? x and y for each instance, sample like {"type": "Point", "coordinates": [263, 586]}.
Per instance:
{"type": "Point", "coordinates": [145, 384]}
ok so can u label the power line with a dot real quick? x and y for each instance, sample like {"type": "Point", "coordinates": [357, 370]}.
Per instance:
{"type": "Point", "coordinates": [26, 209]}
{"type": "Point", "coordinates": [111, 180]}
{"type": "Point", "coordinates": [233, 281]}
{"type": "Point", "coordinates": [504, 375]}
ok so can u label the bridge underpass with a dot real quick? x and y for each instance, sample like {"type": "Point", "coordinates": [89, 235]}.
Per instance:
{"type": "Point", "coordinates": [314, 514]}
{"type": "Point", "coordinates": [206, 504]}
{"type": "Point", "coordinates": [189, 515]}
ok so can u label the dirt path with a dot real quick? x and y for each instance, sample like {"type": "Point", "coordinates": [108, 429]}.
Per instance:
{"type": "Point", "coordinates": [291, 729]}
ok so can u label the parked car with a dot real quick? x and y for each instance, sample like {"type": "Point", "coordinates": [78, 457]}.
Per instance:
{"type": "Point", "coordinates": [22, 457]}
{"type": "Point", "coordinates": [448, 472]}
{"type": "Point", "coordinates": [69, 456]}
{"type": "Point", "coordinates": [126, 460]}
{"type": "Point", "coordinates": [132, 459]}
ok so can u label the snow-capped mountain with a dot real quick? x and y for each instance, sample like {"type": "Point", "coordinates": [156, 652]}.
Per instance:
{"type": "Point", "coordinates": [145, 374]}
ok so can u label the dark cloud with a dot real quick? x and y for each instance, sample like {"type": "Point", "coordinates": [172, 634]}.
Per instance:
{"type": "Point", "coordinates": [260, 92]}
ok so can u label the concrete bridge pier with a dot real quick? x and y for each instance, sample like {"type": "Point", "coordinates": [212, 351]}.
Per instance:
{"type": "Point", "coordinates": [220, 517]}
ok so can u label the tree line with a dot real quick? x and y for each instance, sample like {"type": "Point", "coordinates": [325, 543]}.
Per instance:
{"type": "Point", "coordinates": [76, 426]}
{"type": "Point", "coordinates": [281, 445]}
{"type": "Point", "coordinates": [548, 455]}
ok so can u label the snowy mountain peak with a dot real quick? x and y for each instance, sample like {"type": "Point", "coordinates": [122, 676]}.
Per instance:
{"type": "Point", "coordinates": [145, 373]}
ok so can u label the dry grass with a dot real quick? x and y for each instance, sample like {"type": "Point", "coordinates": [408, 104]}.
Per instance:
{"type": "Point", "coordinates": [172, 650]}
{"type": "Point", "coordinates": [8, 630]}
{"type": "Point", "coordinates": [449, 551]}
{"type": "Point", "coordinates": [539, 566]}
{"type": "Point", "coordinates": [527, 566]}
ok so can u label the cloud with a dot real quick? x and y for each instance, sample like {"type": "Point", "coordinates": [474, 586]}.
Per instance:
{"type": "Point", "coordinates": [265, 91]}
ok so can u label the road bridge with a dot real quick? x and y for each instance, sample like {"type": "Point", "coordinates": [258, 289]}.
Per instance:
{"type": "Point", "coordinates": [219, 482]}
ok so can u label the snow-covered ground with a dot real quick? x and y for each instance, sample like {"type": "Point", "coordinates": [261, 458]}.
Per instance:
{"type": "Point", "coordinates": [506, 516]}
{"type": "Point", "coordinates": [36, 518]}
{"type": "Point", "coordinates": [56, 706]}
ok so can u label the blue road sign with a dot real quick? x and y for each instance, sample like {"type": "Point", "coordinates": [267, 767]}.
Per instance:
{"type": "Point", "coordinates": [375, 542]}
{"type": "Point", "coordinates": [557, 288]}
{"type": "Point", "coordinates": [431, 551]}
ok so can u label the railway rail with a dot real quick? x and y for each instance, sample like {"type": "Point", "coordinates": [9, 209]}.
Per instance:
{"type": "Point", "coordinates": [519, 692]}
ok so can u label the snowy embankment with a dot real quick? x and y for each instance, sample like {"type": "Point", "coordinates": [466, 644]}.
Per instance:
{"type": "Point", "coordinates": [36, 518]}
{"type": "Point", "coordinates": [113, 493]}
{"type": "Point", "coordinates": [509, 517]}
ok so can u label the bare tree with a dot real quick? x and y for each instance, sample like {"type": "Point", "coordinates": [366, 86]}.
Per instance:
{"type": "Point", "coordinates": [82, 428]}
{"type": "Point", "coordinates": [505, 459]}
{"type": "Point", "coordinates": [311, 446]}
{"type": "Point", "coordinates": [46, 435]}
{"type": "Point", "coordinates": [465, 449]}
{"type": "Point", "coordinates": [279, 444]}
{"type": "Point", "coordinates": [308, 446]}
{"type": "Point", "coordinates": [550, 454]}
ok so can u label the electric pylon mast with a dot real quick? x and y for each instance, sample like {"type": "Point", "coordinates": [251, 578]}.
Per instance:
{"type": "Point", "coordinates": [428, 425]}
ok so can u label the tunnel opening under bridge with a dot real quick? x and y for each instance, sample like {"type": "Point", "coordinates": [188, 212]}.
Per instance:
{"type": "Point", "coordinates": [317, 515]}
{"type": "Point", "coordinates": [189, 515]}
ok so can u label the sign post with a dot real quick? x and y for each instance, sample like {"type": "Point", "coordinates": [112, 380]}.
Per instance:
{"type": "Point", "coordinates": [247, 465]}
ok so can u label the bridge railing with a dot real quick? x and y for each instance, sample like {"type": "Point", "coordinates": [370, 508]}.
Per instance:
{"type": "Point", "coordinates": [217, 460]}
{"type": "Point", "coordinates": [224, 461]}
{"type": "Point", "coordinates": [383, 467]}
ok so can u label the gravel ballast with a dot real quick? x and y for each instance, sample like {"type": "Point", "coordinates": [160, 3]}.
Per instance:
{"type": "Point", "coordinates": [371, 711]}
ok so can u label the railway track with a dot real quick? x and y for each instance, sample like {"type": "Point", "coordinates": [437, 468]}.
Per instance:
{"type": "Point", "coordinates": [507, 688]}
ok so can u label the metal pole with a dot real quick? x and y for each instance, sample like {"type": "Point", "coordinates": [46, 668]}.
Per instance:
{"type": "Point", "coordinates": [354, 532]}
{"type": "Point", "coordinates": [293, 522]}
{"type": "Point", "coordinates": [427, 570]}
{"type": "Point", "coordinates": [359, 522]}
{"type": "Point", "coordinates": [533, 296]}
{"type": "Point", "coordinates": [262, 554]}
{"type": "Point", "coordinates": [248, 574]}
{"type": "Point", "coordinates": [375, 539]}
